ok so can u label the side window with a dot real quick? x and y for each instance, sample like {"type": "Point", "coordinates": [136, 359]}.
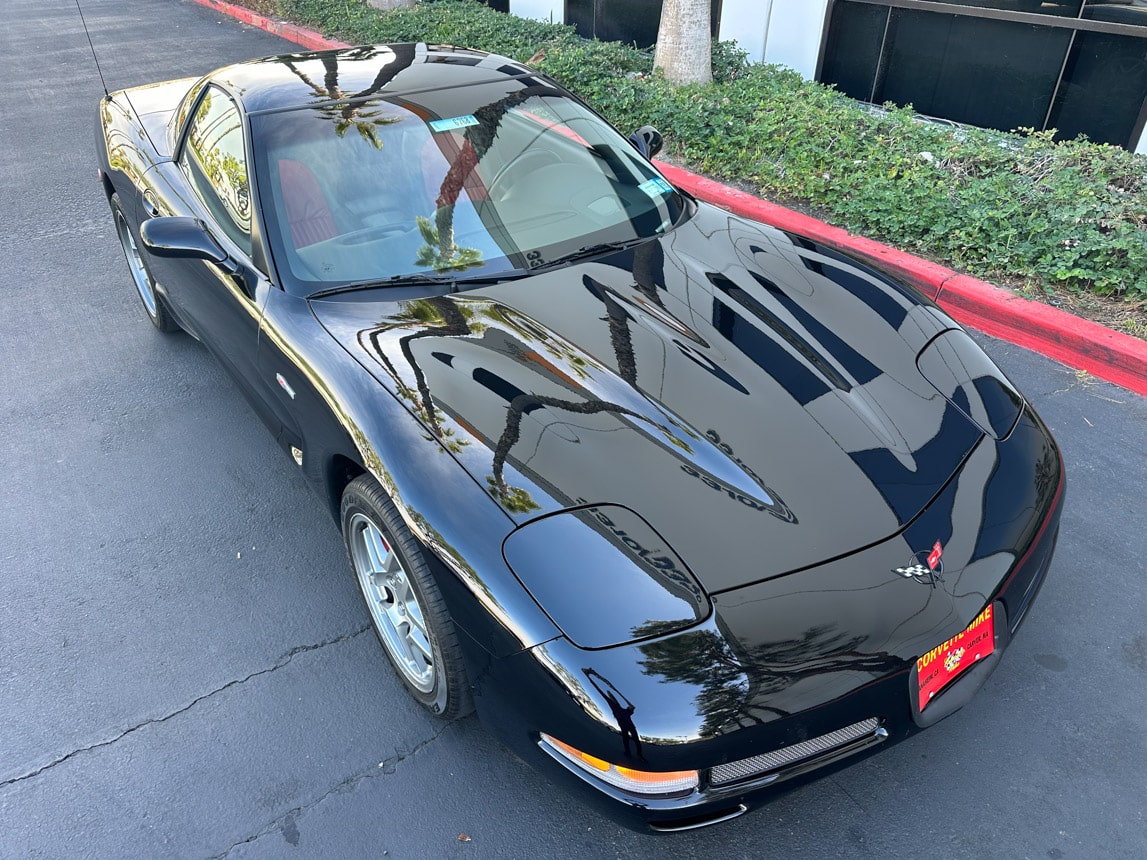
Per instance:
{"type": "Point", "coordinates": [215, 163]}
{"type": "Point", "coordinates": [189, 101]}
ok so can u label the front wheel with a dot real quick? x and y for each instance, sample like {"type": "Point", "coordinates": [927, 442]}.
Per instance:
{"type": "Point", "coordinates": [153, 303]}
{"type": "Point", "coordinates": [405, 605]}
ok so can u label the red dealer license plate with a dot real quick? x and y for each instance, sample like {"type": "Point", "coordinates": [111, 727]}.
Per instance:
{"type": "Point", "coordinates": [945, 663]}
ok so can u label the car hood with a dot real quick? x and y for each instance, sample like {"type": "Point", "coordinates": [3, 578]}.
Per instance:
{"type": "Point", "coordinates": [753, 396]}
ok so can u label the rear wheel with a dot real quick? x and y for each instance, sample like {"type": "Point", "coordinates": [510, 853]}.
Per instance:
{"type": "Point", "coordinates": [153, 303]}
{"type": "Point", "coordinates": [405, 605]}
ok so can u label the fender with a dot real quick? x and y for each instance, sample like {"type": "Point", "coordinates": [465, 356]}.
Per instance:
{"type": "Point", "coordinates": [345, 423]}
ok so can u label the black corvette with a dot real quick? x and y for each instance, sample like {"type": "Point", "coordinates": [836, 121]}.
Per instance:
{"type": "Point", "coordinates": [683, 505]}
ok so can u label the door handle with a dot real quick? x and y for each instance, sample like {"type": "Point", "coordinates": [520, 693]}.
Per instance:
{"type": "Point", "coordinates": [149, 203]}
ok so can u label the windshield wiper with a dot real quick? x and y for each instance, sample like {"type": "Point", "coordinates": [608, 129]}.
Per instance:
{"type": "Point", "coordinates": [594, 250]}
{"type": "Point", "coordinates": [413, 279]}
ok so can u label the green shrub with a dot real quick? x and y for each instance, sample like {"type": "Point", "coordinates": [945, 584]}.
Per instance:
{"type": "Point", "coordinates": [447, 22]}
{"type": "Point", "coordinates": [996, 205]}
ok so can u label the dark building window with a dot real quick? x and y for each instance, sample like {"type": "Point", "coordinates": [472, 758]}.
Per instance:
{"type": "Point", "coordinates": [998, 74]}
{"type": "Point", "coordinates": [631, 21]}
{"type": "Point", "coordinates": [1103, 88]}
{"type": "Point", "coordinates": [1002, 64]}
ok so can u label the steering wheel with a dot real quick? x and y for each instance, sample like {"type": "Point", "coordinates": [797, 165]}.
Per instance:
{"type": "Point", "coordinates": [519, 169]}
{"type": "Point", "coordinates": [370, 234]}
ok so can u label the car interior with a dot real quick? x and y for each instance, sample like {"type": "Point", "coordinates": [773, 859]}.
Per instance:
{"type": "Point", "coordinates": [349, 204]}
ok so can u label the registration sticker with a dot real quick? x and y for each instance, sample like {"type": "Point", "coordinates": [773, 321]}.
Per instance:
{"type": "Point", "coordinates": [944, 663]}
{"type": "Point", "coordinates": [656, 186]}
{"type": "Point", "coordinates": [454, 122]}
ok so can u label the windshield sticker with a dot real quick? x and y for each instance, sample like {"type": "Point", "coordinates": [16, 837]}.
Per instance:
{"type": "Point", "coordinates": [656, 186]}
{"type": "Point", "coordinates": [455, 122]}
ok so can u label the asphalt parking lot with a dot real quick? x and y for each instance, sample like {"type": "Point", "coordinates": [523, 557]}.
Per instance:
{"type": "Point", "coordinates": [185, 667]}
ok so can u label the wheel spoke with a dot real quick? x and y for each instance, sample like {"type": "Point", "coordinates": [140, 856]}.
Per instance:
{"type": "Point", "coordinates": [407, 646]}
{"type": "Point", "coordinates": [394, 617]}
{"type": "Point", "coordinates": [135, 264]}
{"type": "Point", "coordinates": [414, 613]}
{"type": "Point", "coordinates": [372, 541]}
{"type": "Point", "coordinates": [417, 638]}
{"type": "Point", "coordinates": [392, 565]}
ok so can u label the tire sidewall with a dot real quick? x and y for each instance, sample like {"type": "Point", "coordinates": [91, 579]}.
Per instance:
{"type": "Point", "coordinates": [373, 504]}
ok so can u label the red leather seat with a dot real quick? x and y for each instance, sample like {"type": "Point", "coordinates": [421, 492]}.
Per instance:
{"type": "Point", "coordinates": [308, 215]}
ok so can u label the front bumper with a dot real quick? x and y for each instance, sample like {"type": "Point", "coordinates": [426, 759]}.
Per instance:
{"type": "Point", "coordinates": [710, 698]}
{"type": "Point", "coordinates": [726, 791]}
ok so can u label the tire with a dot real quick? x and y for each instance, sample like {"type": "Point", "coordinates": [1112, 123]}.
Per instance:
{"type": "Point", "coordinates": [153, 302]}
{"type": "Point", "coordinates": [404, 603]}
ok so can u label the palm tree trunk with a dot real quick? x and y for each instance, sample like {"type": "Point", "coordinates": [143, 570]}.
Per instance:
{"type": "Point", "coordinates": [684, 41]}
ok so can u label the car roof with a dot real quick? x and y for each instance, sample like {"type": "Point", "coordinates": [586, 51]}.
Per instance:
{"type": "Point", "coordinates": [311, 78]}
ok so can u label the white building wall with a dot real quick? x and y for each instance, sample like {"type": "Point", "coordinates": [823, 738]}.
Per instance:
{"type": "Point", "coordinates": [785, 32]}
{"type": "Point", "coordinates": [746, 23]}
{"type": "Point", "coordinates": [1142, 148]}
{"type": "Point", "coordinates": [793, 34]}
{"type": "Point", "coordinates": [543, 10]}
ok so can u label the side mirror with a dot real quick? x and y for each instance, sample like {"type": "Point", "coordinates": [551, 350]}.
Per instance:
{"type": "Point", "coordinates": [647, 140]}
{"type": "Point", "coordinates": [180, 237]}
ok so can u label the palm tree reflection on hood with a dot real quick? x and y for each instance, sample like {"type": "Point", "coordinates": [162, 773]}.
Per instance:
{"type": "Point", "coordinates": [523, 404]}
{"type": "Point", "coordinates": [456, 321]}
{"type": "Point", "coordinates": [648, 262]}
{"type": "Point", "coordinates": [447, 317]}
{"type": "Point", "coordinates": [618, 319]}
{"type": "Point", "coordinates": [621, 341]}
{"type": "Point", "coordinates": [623, 714]}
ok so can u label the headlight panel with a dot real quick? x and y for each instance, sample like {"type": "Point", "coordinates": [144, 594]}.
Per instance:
{"type": "Point", "coordinates": [605, 576]}
{"type": "Point", "coordinates": [637, 782]}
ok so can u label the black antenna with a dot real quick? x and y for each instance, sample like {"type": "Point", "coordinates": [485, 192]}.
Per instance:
{"type": "Point", "coordinates": [93, 47]}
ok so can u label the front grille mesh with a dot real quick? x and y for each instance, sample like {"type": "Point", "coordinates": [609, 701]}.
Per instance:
{"type": "Point", "coordinates": [758, 765]}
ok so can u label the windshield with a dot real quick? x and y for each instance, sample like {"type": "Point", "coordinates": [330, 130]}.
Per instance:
{"type": "Point", "coordinates": [469, 181]}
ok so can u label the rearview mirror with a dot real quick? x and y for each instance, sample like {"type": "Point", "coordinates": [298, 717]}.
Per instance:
{"type": "Point", "coordinates": [647, 140]}
{"type": "Point", "coordinates": [180, 237]}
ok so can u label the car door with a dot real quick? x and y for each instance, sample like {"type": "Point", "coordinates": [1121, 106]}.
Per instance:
{"type": "Point", "coordinates": [220, 303]}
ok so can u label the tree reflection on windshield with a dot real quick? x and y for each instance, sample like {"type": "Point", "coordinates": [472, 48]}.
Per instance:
{"type": "Point", "coordinates": [507, 174]}
{"type": "Point", "coordinates": [478, 139]}
{"type": "Point", "coordinates": [364, 117]}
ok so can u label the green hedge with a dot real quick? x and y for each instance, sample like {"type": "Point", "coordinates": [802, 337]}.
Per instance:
{"type": "Point", "coordinates": [997, 205]}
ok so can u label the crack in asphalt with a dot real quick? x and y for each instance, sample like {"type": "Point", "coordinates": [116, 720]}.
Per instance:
{"type": "Point", "coordinates": [384, 768]}
{"type": "Point", "coordinates": [279, 664]}
{"type": "Point", "coordinates": [835, 781]}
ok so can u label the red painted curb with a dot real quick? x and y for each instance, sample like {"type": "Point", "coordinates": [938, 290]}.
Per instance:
{"type": "Point", "coordinates": [309, 39]}
{"type": "Point", "coordinates": [1079, 343]}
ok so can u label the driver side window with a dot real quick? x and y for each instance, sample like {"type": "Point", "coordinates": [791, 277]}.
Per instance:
{"type": "Point", "coordinates": [215, 163]}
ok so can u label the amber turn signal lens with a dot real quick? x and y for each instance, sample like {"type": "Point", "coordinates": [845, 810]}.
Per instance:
{"type": "Point", "coordinates": [649, 783]}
